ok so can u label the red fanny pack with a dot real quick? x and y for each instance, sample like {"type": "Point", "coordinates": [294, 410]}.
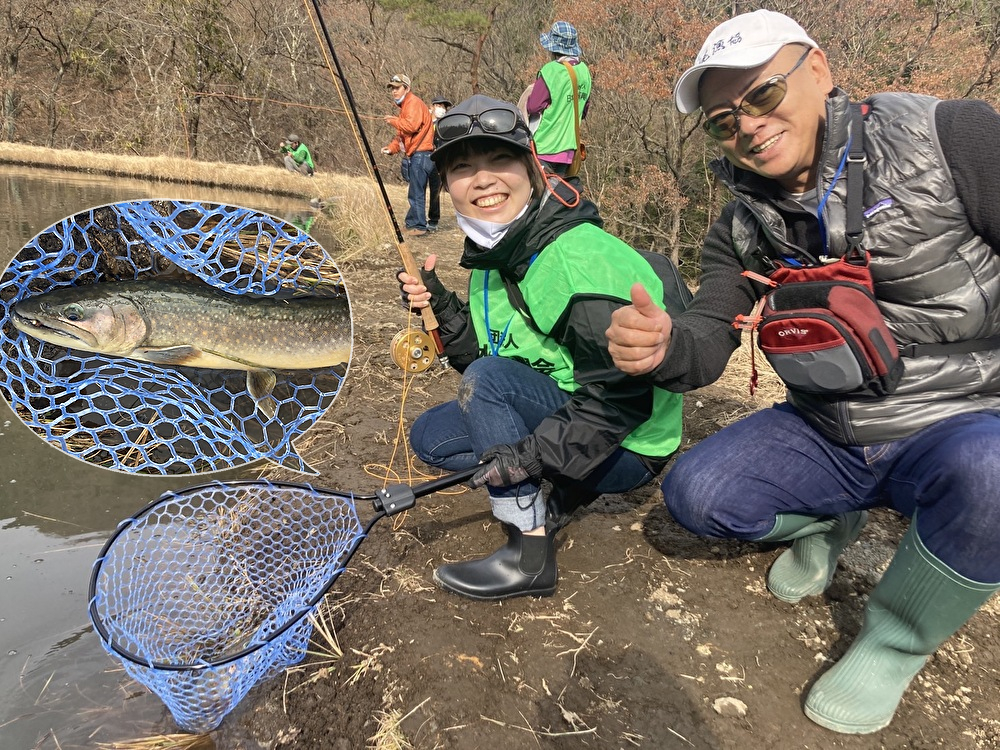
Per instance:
{"type": "Point", "coordinates": [822, 331]}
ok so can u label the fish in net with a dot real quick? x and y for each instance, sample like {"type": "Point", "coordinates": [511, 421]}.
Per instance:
{"type": "Point", "coordinates": [207, 591]}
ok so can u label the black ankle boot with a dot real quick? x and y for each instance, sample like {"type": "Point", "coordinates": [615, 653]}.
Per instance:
{"type": "Point", "coordinates": [524, 566]}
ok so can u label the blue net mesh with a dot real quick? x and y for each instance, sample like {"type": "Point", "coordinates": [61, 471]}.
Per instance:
{"type": "Point", "coordinates": [138, 417]}
{"type": "Point", "coordinates": [217, 582]}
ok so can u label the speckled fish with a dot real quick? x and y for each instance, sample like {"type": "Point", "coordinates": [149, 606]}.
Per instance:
{"type": "Point", "coordinates": [171, 323]}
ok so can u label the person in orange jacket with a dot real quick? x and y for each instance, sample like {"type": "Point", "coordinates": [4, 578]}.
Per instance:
{"type": "Point", "coordinates": [415, 140]}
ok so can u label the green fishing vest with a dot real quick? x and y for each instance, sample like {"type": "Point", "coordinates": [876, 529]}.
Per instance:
{"type": "Point", "coordinates": [582, 261]}
{"type": "Point", "coordinates": [556, 132]}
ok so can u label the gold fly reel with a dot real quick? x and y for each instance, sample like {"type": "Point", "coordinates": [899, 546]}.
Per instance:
{"type": "Point", "coordinates": [412, 350]}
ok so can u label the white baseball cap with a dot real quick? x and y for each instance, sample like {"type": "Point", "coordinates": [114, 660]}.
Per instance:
{"type": "Point", "coordinates": [743, 42]}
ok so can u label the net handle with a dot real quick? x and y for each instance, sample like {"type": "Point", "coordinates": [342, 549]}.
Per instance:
{"type": "Point", "coordinates": [443, 483]}
{"type": "Point", "coordinates": [420, 490]}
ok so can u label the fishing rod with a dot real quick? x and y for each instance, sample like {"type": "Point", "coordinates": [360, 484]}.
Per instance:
{"type": "Point", "coordinates": [408, 350]}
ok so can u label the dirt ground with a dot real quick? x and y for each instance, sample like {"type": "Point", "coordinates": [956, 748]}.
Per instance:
{"type": "Point", "coordinates": [654, 639]}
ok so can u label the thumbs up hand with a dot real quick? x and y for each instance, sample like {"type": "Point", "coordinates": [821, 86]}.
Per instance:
{"type": "Point", "coordinates": [639, 334]}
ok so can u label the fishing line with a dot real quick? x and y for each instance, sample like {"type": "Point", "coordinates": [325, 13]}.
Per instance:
{"type": "Point", "coordinates": [344, 90]}
{"type": "Point", "coordinates": [409, 263]}
{"type": "Point", "coordinates": [283, 103]}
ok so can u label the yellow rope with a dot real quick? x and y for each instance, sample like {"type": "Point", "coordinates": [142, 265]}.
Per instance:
{"type": "Point", "coordinates": [282, 102]}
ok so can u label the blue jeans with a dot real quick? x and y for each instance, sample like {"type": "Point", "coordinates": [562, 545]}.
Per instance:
{"type": "Point", "coordinates": [733, 483]}
{"type": "Point", "coordinates": [501, 401]}
{"type": "Point", "coordinates": [420, 174]}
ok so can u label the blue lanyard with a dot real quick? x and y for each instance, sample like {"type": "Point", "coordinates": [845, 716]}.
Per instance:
{"type": "Point", "coordinates": [494, 348]}
{"type": "Point", "coordinates": [826, 195]}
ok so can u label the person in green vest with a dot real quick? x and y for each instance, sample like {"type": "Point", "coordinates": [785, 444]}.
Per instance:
{"type": "Point", "coordinates": [540, 397]}
{"type": "Point", "coordinates": [551, 98]}
{"type": "Point", "coordinates": [297, 156]}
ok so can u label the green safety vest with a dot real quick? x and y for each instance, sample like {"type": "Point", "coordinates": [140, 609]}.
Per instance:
{"type": "Point", "coordinates": [556, 131]}
{"type": "Point", "coordinates": [584, 260]}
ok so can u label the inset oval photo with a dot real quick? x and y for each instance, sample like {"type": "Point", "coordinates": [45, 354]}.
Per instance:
{"type": "Point", "coordinates": [173, 337]}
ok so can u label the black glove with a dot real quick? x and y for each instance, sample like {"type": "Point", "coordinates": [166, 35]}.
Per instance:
{"type": "Point", "coordinates": [430, 280]}
{"type": "Point", "coordinates": [403, 296]}
{"type": "Point", "coordinates": [504, 465]}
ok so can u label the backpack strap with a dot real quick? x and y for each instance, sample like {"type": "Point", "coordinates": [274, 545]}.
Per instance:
{"type": "Point", "coordinates": [576, 119]}
{"type": "Point", "coordinates": [856, 182]}
{"type": "Point", "coordinates": [576, 101]}
{"type": "Point", "coordinates": [855, 229]}
{"type": "Point", "coordinates": [946, 349]}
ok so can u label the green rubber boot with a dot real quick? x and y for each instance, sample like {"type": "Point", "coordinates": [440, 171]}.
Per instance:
{"type": "Point", "coordinates": [919, 603]}
{"type": "Point", "coordinates": [807, 567]}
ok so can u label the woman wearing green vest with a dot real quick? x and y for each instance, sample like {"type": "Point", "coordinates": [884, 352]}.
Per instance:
{"type": "Point", "coordinates": [551, 100]}
{"type": "Point", "coordinates": [540, 396]}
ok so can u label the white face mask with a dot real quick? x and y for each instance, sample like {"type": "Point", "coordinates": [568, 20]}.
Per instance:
{"type": "Point", "coordinates": [438, 112]}
{"type": "Point", "coordinates": [486, 233]}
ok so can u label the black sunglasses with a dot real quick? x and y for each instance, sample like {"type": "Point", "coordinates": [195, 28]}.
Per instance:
{"type": "Point", "coordinates": [495, 121]}
{"type": "Point", "coordinates": [762, 100]}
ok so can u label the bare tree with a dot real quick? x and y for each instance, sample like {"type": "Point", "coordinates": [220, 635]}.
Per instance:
{"type": "Point", "coordinates": [65, 39]}
{"type": "Point", "coordinates": [19, 23]}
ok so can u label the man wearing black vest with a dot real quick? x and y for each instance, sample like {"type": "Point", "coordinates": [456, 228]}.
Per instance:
{"type": "Point", "coordinates": [928, 445]}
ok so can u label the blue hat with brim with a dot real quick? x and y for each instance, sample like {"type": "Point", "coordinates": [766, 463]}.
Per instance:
{"type": "Point", "coordinates": [561, 40]}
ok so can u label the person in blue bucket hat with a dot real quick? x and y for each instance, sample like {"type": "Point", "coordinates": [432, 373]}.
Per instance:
{"type": "Point", "coordinates": [551, 100]}
{"type": "Point", "coordinates": [561, 40]}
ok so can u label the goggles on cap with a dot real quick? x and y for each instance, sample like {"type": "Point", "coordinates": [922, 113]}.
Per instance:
{"type": "Point", "coordinates": [760, 101]}
{"type": "Point", "coordinates": [493, 121]}
{"type": "Point", "coordinates": [395, 81]}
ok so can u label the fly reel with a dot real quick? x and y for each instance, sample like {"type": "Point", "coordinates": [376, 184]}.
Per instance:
{"type": "Point", "coordinates": [412, 350]}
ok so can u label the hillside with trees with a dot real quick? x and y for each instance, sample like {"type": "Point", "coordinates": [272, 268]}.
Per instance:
{"type": "Point", "coordinates": [226, 80]}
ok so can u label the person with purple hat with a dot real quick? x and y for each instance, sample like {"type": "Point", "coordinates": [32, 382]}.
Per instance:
{"type": "Point", "coordinates": [911, 182]}
{"type": "Point", "coordinates": [552, 101]}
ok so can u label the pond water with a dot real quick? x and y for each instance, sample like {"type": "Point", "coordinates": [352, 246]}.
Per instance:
{"type": "Point", "coordinates": [57, 687]}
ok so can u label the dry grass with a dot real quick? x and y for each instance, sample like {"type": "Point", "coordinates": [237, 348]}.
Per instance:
{"type": "Point", "coordinates": [369, 662]}
{"type": "Point", "coordinates": [265, 179]}
{"type": "Point", "coordinates": [325, 645]}
{"type": "Point", "coordinates": [162, 742]}
{"type": "Point", "coordinates": [354, 202]}
{"type": "Point", "coordinates": [324, 650]}
{"type": "Point", "coordinates": [389, 735]}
